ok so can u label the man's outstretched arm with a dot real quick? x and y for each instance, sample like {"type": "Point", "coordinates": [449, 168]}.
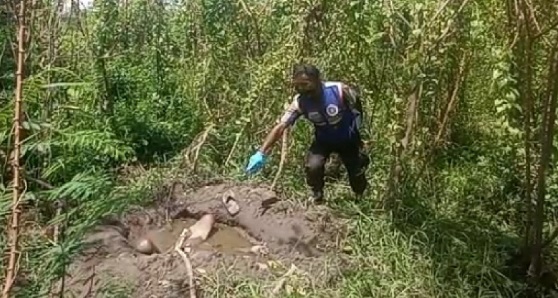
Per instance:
{"type": "Point", "coordinates": [291, 114]}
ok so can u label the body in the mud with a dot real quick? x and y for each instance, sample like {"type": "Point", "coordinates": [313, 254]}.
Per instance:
{"type": "Point", "coordinates": [335, 110]}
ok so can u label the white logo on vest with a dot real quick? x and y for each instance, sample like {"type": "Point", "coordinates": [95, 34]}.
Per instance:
{"type": "Point", "coordinates": [332, 110]}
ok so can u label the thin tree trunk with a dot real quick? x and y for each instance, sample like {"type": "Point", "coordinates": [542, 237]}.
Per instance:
{"type": "Point", "coordinates": [524, 55]}
{"type": "Point", "coordinates": [400, 149]}
{"type": "Point", "coordinates": [547, 136]}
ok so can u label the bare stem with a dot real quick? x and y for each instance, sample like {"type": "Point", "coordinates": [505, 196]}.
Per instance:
{"type": "Point", "coordinates": [17, 183]}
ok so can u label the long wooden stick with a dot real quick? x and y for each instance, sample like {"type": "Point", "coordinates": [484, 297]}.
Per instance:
{"type": "Point", "coordinates": [284, 150]}
{"type": "Point", "coordinates": [16, 211]}
{"type": "Point", "coordinates": [187, 263]}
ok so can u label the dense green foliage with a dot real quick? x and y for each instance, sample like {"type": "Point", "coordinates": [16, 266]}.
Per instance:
{"type": "Point", "coordinates": [121, 85]}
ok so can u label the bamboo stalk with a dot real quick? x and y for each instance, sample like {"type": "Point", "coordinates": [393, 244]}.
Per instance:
{"type": "Point", "coordinates": [16, 211]}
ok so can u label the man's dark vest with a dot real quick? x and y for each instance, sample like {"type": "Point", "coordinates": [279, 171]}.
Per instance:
{"type": "Point", "coordinates": [333, 120]}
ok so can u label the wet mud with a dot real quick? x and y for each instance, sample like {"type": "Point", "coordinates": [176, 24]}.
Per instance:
{"type": "Point", "coordinates": [261, 229]}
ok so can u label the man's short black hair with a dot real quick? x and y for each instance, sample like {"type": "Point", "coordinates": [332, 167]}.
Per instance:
{"type": "Point", "coordinates": [308, 69]}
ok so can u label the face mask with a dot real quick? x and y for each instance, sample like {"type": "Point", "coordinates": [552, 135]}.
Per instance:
{"type": "Point", "coordinates": [307, 91]}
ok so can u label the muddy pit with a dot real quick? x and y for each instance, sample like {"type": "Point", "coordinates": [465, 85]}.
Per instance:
{"type": "Point", "coordinates": [265, 230]}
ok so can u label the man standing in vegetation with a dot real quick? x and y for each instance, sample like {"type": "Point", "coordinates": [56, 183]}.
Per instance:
{"type": "Point", "coordinates": [335, 110]}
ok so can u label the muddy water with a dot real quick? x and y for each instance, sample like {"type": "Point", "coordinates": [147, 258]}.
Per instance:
{"type": "Point", "coordinates": [223, 238]}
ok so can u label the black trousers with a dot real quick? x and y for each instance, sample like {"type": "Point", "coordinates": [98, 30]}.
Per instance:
{"type": "Point", "coordinates": [354, 160]}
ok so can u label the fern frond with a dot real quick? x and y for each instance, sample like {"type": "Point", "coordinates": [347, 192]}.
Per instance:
{"type": "Point", "coordinates": [82, 187]}
{"type": "Point", "coordinates": [101, 142]}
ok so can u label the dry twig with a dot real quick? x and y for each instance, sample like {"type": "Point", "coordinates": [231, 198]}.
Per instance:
{"type": "Point", "coordinates": [195, 148]}
{"type": "Point", "coordinates": [187, 263]}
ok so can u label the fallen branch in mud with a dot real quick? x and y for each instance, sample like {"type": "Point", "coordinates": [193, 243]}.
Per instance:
{"type": "Point", "coordinates": [198, 233]}
{"type": "Point", "coordinates": [187, 263]}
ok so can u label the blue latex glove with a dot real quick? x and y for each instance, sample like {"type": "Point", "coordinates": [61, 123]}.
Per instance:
{"type": "Point", "coordinates": [256, 163]}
